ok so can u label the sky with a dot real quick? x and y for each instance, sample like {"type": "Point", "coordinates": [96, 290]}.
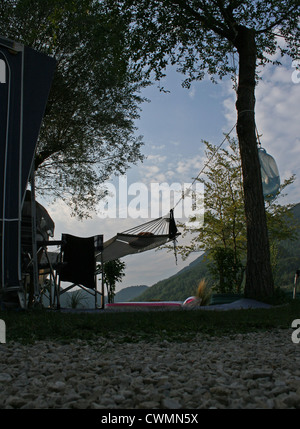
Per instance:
{"type": "Point", "coordinates": [173, 125]}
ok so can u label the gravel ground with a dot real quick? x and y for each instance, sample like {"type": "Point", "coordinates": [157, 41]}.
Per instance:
{"type": "Point", "coordinates": [257, 370]}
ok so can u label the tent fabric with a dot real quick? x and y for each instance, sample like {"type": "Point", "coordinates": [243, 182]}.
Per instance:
{"type": "Point", "coordinates": [26, 77]}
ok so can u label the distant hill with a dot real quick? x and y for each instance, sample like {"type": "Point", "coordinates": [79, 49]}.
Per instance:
{"type": "Point", "coordinates": [180, 286]}
{"type": "Point", "coordinates": [129, 293]}
{"type": "Point", "coordinates": [88, 301]}
{"type": "Point", "coordinates": [288, 257]}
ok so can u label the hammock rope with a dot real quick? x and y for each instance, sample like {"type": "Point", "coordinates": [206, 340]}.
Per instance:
{"type": "Point", "coordinates": [186, 192]}
{"type": "Point", "coordinates": [158, 226]}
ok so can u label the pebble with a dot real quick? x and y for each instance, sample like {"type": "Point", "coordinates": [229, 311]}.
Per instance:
{"type": "Point", "coordinates": [255, 370]}
{"type": "Point", "coordinates": [5, 378]}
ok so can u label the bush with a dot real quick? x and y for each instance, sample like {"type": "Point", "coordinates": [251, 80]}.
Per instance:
{"type": "Point", "coordinates": [76, 299]}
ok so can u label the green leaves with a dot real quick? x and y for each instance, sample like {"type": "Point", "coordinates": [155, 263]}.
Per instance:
{"type": "Point", "coordinates": [113, 272]}
{"type": "Point", "coordinates": [88, 131]}
{"type": "Point", "coordinates": [199, 37]}
{"type": "Point", "coordinates": [224, 236]}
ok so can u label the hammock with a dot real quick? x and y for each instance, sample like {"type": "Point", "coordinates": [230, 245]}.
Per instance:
{"type": "Point", "coordinates": [140, 238]}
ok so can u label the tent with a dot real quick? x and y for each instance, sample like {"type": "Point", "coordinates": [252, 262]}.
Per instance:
{"type": "Point", "coordinates": [25, 81]}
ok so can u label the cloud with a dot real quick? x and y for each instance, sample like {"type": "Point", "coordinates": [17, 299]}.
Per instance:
{"type": "Point", "coordinates": [158, 147]}
{"type": "Point", "coordinates": [192, 92]}
{"type": "Point", "coordinates": [189, 167]}
{"type": "Point", "coordinates": [277, 119]}
{"type": "Point", "coordinates": [156, 158]}
{"type": "Point", "coordinates": [150, 173]}
{"type": "Point", "coordinates": [277, 116]}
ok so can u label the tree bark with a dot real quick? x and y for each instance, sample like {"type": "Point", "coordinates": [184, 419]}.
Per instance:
{"type": "Point", "coordinates": [259, 278]}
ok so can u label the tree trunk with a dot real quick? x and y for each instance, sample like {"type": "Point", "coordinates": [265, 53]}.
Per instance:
{"type": "Point", "coordinates": [259, 279]}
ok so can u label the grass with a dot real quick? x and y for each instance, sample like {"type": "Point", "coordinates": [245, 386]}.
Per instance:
{"type": "Point", "coordinates": [30, 326]}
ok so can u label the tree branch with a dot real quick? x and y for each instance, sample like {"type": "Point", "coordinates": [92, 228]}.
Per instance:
{"type": "Point", "coordinates": [208, 23]}
{"type": "Point", "coordinates": [279, 21]}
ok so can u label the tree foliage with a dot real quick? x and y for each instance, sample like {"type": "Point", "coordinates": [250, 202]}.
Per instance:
{"type": "Point", "coordinates": [113, 272]}
{"type": "Point", "coordinates": [200, 36]}
{"type": "Point", "coordinates": [223, 200]}
{"type": "Point", "coordinates": [223, 236]}
{"type": "Point", "coordinates": [88, 130]}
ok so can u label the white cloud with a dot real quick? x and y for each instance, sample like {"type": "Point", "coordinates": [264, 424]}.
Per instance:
{"type": "Point", "coordinates": [192, 92]}
{"type": "Point", "coordinates": [277, 116]}
{"type": "Point", "coordinates": [277, 119]}
{"type": "Point", "coordinates": [170, 174]}
{"type": "Point", "coordinates": [149, 173]}
{"type": "Point", "coordinates": [181, 170]}
{"type": "Point", "coordinates": [189, 167]}
{"type": "Point", "coordinates": [158, 147]}
{"type": "Point", "coordinates": [156, 158]}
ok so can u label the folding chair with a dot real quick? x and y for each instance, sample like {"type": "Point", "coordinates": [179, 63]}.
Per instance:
{"type": "Point", "coordinates": [36, 228]}
{"type": "Point", "coordinates": [78, 264]}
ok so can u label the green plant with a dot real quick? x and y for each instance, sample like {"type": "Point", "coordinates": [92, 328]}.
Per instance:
{"type": "Point", "coordinates": [227, 268]}
{"type": "Point", "coordinates": [224, 237]}
{"type": "Point", "coordinates": [113, 272]}
{"type": "Point", "coordinates": [76, 298]}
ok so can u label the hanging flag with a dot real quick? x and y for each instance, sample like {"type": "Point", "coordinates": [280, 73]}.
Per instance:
{"type": "Point", "coordinates": [269, 174]}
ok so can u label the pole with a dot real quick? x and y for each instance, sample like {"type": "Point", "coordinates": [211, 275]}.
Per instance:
{"type": "Point", "coordinates": [295, 283]}
{"type": "Point", "coordinates": [96, 292]}
{"type": "Point", "coordinates": [35, 272]}
{"type": "Point", "coordinates": [102, 281]}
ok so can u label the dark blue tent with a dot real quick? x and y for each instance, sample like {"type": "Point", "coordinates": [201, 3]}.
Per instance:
{"type": "Point", "coordinates": [25, 81]}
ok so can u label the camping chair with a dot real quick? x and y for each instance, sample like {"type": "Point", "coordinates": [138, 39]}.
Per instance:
{"type": "Point", "coordinates": [75, 262]}
{"type": "Point", "coordinates": [36, 264]}
{"type": "Point", "coordinates": [78, 264]}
